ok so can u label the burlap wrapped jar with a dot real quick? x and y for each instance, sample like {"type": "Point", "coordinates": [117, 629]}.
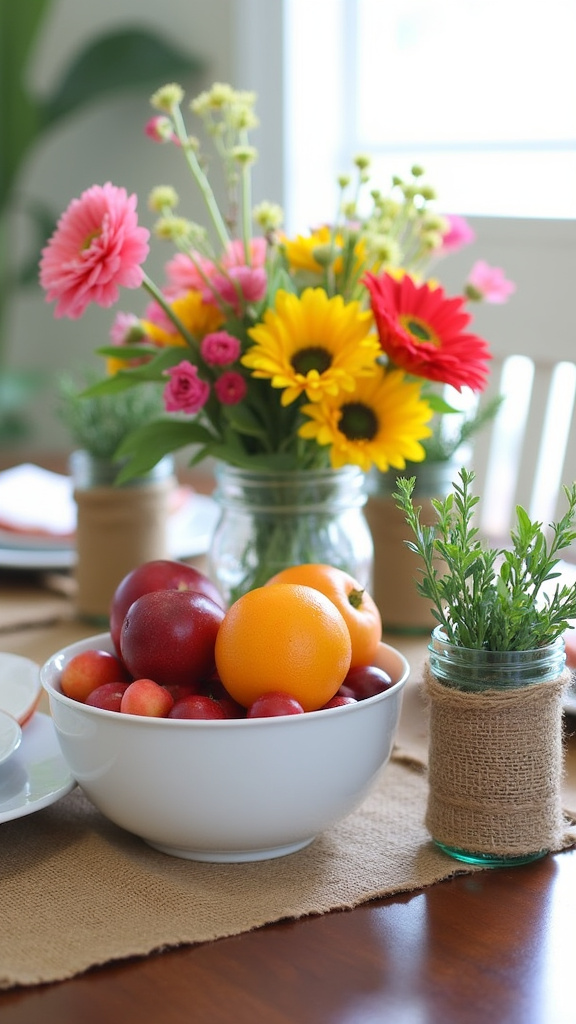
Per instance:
{"type": "Point", "coordinates": [118, 527]}
{"type": "Point", "coordinates": [496, 754]}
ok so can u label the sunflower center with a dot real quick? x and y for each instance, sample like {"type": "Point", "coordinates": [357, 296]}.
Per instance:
{"type": "Point", "coordinates": [358, 422]}
{"type": "Point", "coordinates": [419, 329]}
{"type": "Point", "coordinates": [312, 358]}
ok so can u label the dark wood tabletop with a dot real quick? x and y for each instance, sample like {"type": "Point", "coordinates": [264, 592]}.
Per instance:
{"type": "Point", "coordinates": [495, 947]}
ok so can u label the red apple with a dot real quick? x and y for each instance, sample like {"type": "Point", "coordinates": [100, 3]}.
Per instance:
{"type": "Point", "coordinates": [161, 574]}
{"type": "Point", "coordinates": [170, 635]}
{"type": "Point", "coordinates": [145, 697]}
{"type": "Point", "coordinates": [89, 669]}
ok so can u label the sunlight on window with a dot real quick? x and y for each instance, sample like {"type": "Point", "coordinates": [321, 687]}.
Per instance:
{"type": "Point", "coordinates": [482, 94]}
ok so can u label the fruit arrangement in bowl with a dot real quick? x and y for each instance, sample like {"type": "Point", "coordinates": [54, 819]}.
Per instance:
{"type": "Point", "coordinates": [229, 734]}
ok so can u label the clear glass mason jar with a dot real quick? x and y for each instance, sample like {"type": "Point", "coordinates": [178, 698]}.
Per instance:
{"type": "Point", "coordinates": [476, 672]}
{"type": "Point", "coordinates": [270, 521]}
{"type": "Point", "coordinates": [473, 670]}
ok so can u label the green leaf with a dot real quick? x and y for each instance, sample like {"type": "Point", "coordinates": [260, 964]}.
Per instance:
{"type": "Point", "coordinates": [438, 404]}
{"type": "Point", "coordinates": [146, 446]}
{"type": "Point", "coordinates": [245, 422]}
{"type": "Point", "coordinates": [128, 59]}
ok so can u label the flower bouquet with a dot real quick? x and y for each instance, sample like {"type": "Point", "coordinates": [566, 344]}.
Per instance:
{"type": "Point", "coordinates": [275, 353]}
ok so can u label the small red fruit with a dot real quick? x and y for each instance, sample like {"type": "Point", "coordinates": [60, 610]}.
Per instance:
{"type": "Point", "coordinates": [145, 697]}
{"type": "Point", "coordinates": [108, 696]}
{"type": "Point", "coordinates": [274, 703]}
{"type": "Point", "coordinates": [365, 681]}
{"type": "Point", "coordinates": [339, 701]}
{"type": "Point", "coordinates": [197, 706]}
{"type": "Point", "coordinates": [89, 669]}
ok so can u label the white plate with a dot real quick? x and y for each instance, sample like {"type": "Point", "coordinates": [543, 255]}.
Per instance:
{"type": "Point", "coordinates": [36, 774]}
{"type": "Point", "coordinates": [20, 686]}
{"type": "Point", "coordinates": [10, 736]}
{"type": "Point", "coordinates": [190, 530]}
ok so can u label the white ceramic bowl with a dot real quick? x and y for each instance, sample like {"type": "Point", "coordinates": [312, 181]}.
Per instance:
{"type": "Point", "coordinates": [233, 790]}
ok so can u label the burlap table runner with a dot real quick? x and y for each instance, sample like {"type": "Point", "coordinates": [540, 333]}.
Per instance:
{"type": "Point", "coordinates": [77, 891]}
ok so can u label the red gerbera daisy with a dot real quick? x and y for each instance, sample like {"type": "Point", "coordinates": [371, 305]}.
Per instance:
{"type": "Point", "coordinates": [424, 332]}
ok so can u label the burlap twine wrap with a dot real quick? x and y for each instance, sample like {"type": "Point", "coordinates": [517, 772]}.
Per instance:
{"type": "Point", "coordinates": [118, 528]}
{"type": "Point", "coordinates": [495, 767]}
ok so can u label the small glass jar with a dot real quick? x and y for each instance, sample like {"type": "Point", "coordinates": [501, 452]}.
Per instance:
{"type": "Point", "coordinates": [470, 669]}
{"type": "Point", "coordinates": [270, 521]}
{"type": "Point", "coordinates": [489, 745]}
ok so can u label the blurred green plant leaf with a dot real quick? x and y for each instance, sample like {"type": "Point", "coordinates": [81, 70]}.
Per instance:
{"type": "Point", "coordinates": [117, 61]}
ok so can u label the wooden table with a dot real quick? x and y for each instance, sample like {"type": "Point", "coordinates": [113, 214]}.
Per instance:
{"type": "Point", "coordinates": [495, 946]}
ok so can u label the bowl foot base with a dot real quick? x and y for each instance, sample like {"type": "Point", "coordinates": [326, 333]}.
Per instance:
{"type": "Point", "coordinates": [231, 856]}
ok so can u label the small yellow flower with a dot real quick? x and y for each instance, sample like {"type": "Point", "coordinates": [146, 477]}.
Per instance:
{"type": "Point", "coordinates": [268, 216]}
{"type": "Point", "coordinates": [198, 317]}
{"type": "Point", "coordinates": [168, 97]}
{"type": "Point", "coordinates": [161, 198]}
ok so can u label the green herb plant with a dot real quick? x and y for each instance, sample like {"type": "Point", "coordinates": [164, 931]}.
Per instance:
{"type": "Point", "coordinates": [490, 598]}
{"type": "Point", "coordinates": [99, 424]}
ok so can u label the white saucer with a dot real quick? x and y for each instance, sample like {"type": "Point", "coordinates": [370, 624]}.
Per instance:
{"type": "Point", "coordinates": [20, 686]}
{"type": "Point", "coordinates": [36, 774]}
{"type": "Point", "coordinates": [10, 736]}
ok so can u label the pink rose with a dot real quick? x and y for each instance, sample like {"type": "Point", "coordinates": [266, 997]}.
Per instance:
{"type": "Point", "coordinates": [185, 391]}
{"type": "Point", "coordinates": [230, 388]}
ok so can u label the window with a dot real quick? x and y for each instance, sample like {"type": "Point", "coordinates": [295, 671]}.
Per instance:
{"type": "Point", "coordinates": [482, 93]}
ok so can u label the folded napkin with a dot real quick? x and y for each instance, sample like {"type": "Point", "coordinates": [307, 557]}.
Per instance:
{"type": "Point", "coordinates": [37, 502]}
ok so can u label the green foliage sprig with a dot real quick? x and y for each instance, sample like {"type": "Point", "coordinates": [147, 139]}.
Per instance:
{"type": "Point", "coordinates": [99, 424]}
{"type": "Point", "coordinates": [489, 598]}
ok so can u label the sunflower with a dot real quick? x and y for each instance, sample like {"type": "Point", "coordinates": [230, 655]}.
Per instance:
{"type": "Point", "coordinates": [381, 424]}
{"type": "Point", "coordinates": [424, 332]}
{"type": "Point", "coordinates": [312, 344]}
{"type": "Point", "coordinates": [198, 317]}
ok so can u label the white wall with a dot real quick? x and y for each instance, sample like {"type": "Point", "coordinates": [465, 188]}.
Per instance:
{"type": "Point", "coordinates": [239, 41]}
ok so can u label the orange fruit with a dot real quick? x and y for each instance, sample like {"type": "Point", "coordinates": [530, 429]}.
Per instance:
{"type": "Point", "coordinates": [285, 637]}
{"type": "Point", "coordinates": [355, 604]}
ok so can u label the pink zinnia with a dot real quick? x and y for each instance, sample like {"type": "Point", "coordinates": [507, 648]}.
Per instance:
{"type": "Point", "coordinates": [243, 285]}
{"type": "Point", "coordinates": [183, 275]}
{"type": "Point", "coordinates": [230, 388]}
{"type": "Point", "coordinates": [126, 328]}
{"type": "Point", "coordinates": [97, 246]}
{"type": "Point", "coordinates": [489, 283]}
{"type": "Point", "coordinates": [235, 255]}
{"type": "Point", "coordinates": [185, 391]}
{"type": "Point", "coordinates": [220, 348]}
{"type": "Point", "coordinates": [458, 235]}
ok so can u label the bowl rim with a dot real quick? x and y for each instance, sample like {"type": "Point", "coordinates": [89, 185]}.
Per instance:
{"type": "Point", "coordinates": [217, 723]}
